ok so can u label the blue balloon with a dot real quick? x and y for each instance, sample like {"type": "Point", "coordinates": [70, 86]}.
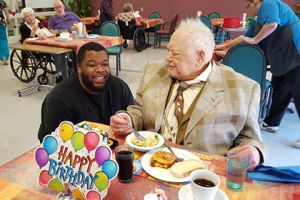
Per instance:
{"type": "Point", "coordinates": [110, 168]}
{"type": "Point", "coordinates": [50, 144]}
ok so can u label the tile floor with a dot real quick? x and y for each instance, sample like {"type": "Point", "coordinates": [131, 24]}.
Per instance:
{"type": "Point", "coordinates": [20, 116]}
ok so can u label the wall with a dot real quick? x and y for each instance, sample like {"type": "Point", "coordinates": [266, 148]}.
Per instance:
{"type": "Point", "coordinates": [184, 7]}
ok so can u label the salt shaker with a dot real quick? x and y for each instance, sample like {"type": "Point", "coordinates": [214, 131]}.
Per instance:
{"type": "Point", "coordinates": [244, 20]}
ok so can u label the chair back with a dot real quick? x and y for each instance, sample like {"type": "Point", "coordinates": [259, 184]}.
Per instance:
{"type": "Point", "coordinates": [127, 24]}
{"type": "Point", "coordinates": [173, 24]}
{"type": "Point", "coordinates": [109, 28]}
{"type": "Point", "coordinates": [155, 15]}
{"type": "Point", "coordinates": [214, 15]}
{"type": "Point", "coordinates": [248, 60]}
{"type": "Point", "coordinates": [205, 20]}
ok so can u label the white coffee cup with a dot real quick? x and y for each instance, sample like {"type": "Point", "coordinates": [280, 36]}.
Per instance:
{"type": "Point", "coordinates": [200, 192]}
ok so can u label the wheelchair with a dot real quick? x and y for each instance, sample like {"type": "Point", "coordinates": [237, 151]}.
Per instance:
{"type": "Point", "coordinates": [24, 65]}
{"type": "Point", "coordinates": [131, 31]}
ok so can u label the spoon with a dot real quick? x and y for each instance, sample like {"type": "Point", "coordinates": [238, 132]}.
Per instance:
{"type": "Point", "coordinates": [170, 149]}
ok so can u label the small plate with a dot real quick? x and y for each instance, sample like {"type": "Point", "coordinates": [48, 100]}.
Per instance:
{"type": "Point", "coordinates": [60, 39]}
{"type": "Point", "coordinates": [146, 134]}
{"type": "Point", "coordinates": [185, 193]}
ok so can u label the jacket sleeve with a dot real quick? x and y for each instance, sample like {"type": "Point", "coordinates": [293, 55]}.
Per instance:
{"type": "Point", "coordinates": [251, 134]}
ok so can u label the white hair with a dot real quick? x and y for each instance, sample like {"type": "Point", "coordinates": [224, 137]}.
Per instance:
{"type": "Point", "coordinates": [200, 36]}
{"type": "Point", "coordinates": [27, 10]}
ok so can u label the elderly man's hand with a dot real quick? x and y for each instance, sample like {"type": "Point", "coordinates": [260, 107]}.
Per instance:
{"type": "Point", "coordinates": [121, 124]}
{"type": "Point", "coordinates": [246, 151]}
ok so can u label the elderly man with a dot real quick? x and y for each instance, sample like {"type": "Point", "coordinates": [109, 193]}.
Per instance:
{"type": "Point", "coordinates": [62, 20]}
{"type": "Point", "coordinates": [93, 95]}
{"type": "Point", "coordinates": [192, 100]}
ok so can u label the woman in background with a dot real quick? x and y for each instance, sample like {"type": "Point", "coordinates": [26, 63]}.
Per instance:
{"type": "Point", "coordinates": [4, 21]}
{"type": "Point", "coordinates": [106, 11]}
{"type": "Point", "coordinates": [277, 31]}
{"type": "Point", "coordinates": [32, 27]}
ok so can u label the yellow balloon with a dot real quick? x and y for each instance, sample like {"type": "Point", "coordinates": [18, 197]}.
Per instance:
{"type": "Point", "coordinates": [101, 181]}
{"type": "Point", "coordinates": [77, 140]}
{"type": "Point", "coordinates": [66, 131]}
{"type": "Point", "coordinates": [77, 194]}
{"type": "Point", "coordinates": [56, 185]}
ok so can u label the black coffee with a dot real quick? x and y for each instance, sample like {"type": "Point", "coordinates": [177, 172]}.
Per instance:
{"type": "Point", "coordinates": [125, 161]}
{"type": "Point", "coordinates": [204, 182]}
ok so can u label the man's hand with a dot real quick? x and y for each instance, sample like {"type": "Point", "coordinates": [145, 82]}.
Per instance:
{"type": "Point", "coordinates": [246, 152]}
{"type": "Point", "coordinates": [121, 124]}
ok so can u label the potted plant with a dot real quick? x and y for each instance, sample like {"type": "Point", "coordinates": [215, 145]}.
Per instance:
{"type": "Point", "coordinates": [81, 7]}
{"type": "Point", "coordinates": [298, 8]}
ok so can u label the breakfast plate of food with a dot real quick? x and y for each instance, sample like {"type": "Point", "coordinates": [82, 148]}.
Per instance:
{"type": "Point", "coordinates": [152, 141]}
{"type": "Point", "coordinates": [161, 164]}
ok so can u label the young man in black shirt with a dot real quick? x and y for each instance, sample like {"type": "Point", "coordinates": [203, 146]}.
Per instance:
{"type": "Point", "coordinates": [93, 94]}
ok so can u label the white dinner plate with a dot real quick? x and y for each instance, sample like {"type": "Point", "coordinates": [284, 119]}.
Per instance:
{"type": "Point", "coordinates": [185, 193]}
{"type": "Point", "coordinates": [146, 134]}
{"type": "Point", "coordinates": [165, 174]}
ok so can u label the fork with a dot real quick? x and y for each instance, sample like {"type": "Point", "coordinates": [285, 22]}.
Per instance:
{"type": "Point", "coordinates": [136, 134]}
{"type": "Point", "coordinates": [170, 149]}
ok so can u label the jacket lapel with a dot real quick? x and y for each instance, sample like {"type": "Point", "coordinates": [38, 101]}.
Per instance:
{"type": "Point", "coordinates": [211, 95]}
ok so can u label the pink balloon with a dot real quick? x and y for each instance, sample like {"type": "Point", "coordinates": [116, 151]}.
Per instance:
{"type": "Point", "coordinates": [41, 157]}
{"type": "Point", "coordinates": [102, 154]}
{"type": "Point", "coordinates": [92, 195]}
{"type": "Point", "coordinates": [91, 140]}
{"type": "Point", "coordinates": [44, 177]}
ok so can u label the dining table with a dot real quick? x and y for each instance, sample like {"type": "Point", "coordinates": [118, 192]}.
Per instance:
{"type": "Point", "coordinates": [19, 180]}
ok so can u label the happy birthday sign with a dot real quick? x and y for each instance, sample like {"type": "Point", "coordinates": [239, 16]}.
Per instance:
{"type": "Point", "coordinates": [78, 157]}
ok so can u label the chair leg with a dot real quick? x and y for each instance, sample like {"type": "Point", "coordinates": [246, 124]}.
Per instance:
{"type": "Point", "coordinates": [117, 65]}
{"type": "Point", "coordinates": [119, 61]}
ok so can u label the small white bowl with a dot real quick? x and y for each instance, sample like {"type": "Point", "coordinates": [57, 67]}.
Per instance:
{"type": "Point", "coordinates": [146, 134]}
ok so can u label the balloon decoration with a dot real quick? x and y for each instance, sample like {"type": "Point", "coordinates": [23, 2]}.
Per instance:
{"type": "Point", "coordinates": [41, 157]}
{"type": "Point", "coordinates": [91, 140]}
{"type": "Point", "coordinates": [56, 185]}
{"type": "Point", "coordinates": [102, 181]}
{"type": "Point", "coordinates": [74, 155]}
{"type": "Point", "coordinates": [77, 194]}
{"type": "Point", "coordinates": [102, 154]}
{"type": "Point", "coordinates": [66, 131]}
{"type": "Point", "coordinates": [77, 140]}
{"type": "Point", "coordinates": [110, 168]}
{"type": "Point", "coordinates": [92, 195]}
{"type": "Point", "coordinates": [44, 177]}
{"type": "Point", "coordinates": [50, 144]}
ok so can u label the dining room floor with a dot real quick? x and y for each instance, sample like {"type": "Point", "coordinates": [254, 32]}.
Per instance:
{"type": "Point", "coordinates": [20, 116]}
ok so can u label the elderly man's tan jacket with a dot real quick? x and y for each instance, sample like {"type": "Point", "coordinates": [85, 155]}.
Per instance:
{"type": "Point", "coordinates": [225, 115]}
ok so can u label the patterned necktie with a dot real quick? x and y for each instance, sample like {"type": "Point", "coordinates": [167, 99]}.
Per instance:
{"type": "Point", "coordinates": [179, 101]}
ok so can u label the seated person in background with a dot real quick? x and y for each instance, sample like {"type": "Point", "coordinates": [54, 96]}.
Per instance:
{"type": "Point", "coordinates": [62, 20]}
{"type": "Point", "coordinates": [128, 7]}
{"type": "Point", "coordinates": [32, 27]}
{"type": "Point", "coordinates": [216, 113]}
{"type": "Point", "coordinates": [93, 94]}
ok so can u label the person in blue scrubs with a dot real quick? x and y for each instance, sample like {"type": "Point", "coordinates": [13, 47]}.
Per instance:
{"type": "Point", "coordinates": [277, 31]}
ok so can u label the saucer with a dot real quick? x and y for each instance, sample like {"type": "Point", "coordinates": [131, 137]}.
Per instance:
{"type": "Point", "coordinates": [185, 193]}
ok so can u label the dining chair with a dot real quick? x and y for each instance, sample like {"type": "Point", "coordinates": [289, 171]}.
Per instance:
{"type": "Point", "coordinates": [214, 15]}
{"type": "Point", "coordinates": [153, 15]}
{"type": "Point", "coordinates": [205, 20]}
{"type": "Point", "coordinates": [250, 61]}
{"type": "Point", "coordinates": [110, 28]}
{"type": "Point", "coordinates": [165, 31]}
